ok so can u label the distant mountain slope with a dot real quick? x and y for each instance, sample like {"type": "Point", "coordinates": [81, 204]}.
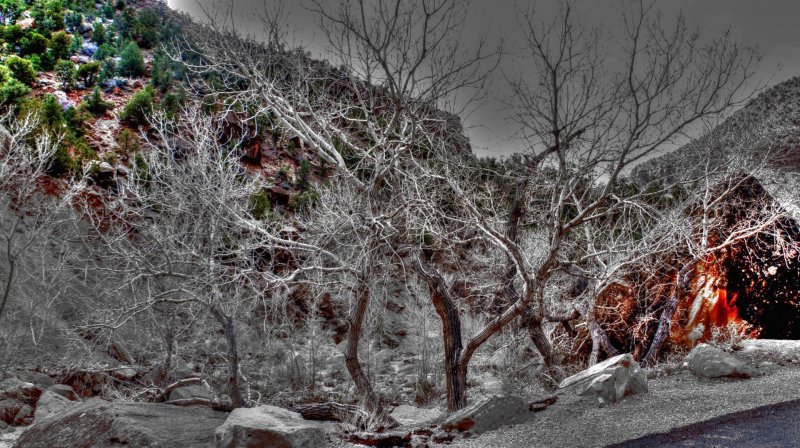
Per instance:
{"type": "Point", "coordinates": [766, 130]}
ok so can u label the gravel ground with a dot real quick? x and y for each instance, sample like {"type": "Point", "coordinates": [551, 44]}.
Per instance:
{"type": "Point", "coordinates": [673, 401]}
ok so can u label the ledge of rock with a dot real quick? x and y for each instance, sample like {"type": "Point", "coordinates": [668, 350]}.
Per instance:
{"type": "Point", "coordinates": [609, 381]}
{"type": "Point", "coordinates": [101, 424]}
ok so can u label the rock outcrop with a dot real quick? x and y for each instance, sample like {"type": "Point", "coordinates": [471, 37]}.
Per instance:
{"type": "Point", "coordinates": [609, 381]}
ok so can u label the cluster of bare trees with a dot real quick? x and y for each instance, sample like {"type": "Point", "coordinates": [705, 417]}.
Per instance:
{"type": "Point", "coordinates": [534, 239]}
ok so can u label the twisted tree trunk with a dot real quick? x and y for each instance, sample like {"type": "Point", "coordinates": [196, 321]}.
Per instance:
{"type": "Point", "coordinates": [363, 386]}
{"type": "Point", "coordinates": [681, 284]}
{"type": "Point", "coordinates": [454, 370]}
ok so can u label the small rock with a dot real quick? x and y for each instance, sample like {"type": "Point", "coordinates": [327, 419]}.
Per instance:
{"type": "Point", "coordinates": [65, 391]}
{"type": "Point", "coordinates": [710, 362]}
{"type": "Point", "coordinates": [124, 373]}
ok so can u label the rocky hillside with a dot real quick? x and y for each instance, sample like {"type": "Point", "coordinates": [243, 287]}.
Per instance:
{"type": "Point", "coordinates": [766, 130]}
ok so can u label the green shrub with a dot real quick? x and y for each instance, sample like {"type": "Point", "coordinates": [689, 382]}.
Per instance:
{"type": "Point", "coordinates": [33, 43]}
{"type": "Point", "coordinates": [42, 62]}
{"type": "Point", "coordinates": [48, 16]}
{"type": "Point", "coordinates": [62, 162]}
{"type": "Point", "coordinates": [131, 62]}
{"type": "Point", "coordinates": [139, 106]}
{"type": "Point", "coordinates": [88, 72]}
{"type": "Point", "coordinates": [12, 91]}
{"type": "Point", "coordinates": [99, 34]}
{"type": "Point", "coordinates": [260, 205]}
{"type": "Point", "coordinates": [59, 45]}
{"type": "Point", "coordinates": [22, 69]}
{"type": "Point", "coordinates": [128, 142]}
{"type": "Point", "coordinates": [103, 52]}
{"type": "Point", "coordinates": [12, 10]}
{"type": "Point", "coordinates": [65, 71]}
{"type": "Point", "coordinates": [13, 34]}
{"type": "Point", "coordinates": [108, 11]}
{"type": "Point", "coordinates": [303, 174]}
{"type": "Point", "coordinates": [75, 44]}
{"type": "Point", "coordinates": [95, 104]}
{"type": "Point", "coordinates": [107, 69]}
{"type": "Point", "coordinates": [52, 111]}
{"type": "Point", "coordinates": [74, 20]}
{"type": "Point", "coordinates": [146, 28]}
{"type": "Point", "coordinates": [76, 118]}
{"type": "Point", "coordinates": [173, 102]}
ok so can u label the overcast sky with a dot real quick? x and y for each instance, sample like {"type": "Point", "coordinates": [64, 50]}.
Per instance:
{"type": "Point", "coordinates": [771, 26]}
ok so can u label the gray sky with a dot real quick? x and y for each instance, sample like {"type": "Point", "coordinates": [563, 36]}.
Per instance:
{"type": "Point", "coordinates": [769, 25]}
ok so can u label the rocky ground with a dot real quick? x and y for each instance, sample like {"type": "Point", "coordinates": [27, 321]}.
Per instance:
{"type": "Point", "coordinates": [711, 384]}
{"type": "Point", "coordinates": [674, 400]}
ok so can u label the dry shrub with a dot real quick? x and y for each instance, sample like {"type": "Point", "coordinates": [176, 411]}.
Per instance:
{"type": "Point", "coordinates": [731, 336]}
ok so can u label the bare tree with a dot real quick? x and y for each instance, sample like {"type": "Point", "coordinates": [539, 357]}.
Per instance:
{"type": "Point", "coordinates": [373, 118]}
{"type": "Point", "coordinates": [586, 122]}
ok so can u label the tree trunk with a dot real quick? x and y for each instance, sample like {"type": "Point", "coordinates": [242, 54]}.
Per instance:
{"type": "Point", "coordinates": [681, 282]}
{"type": "Point", "coordinates": [599, 341]}
{"type": "Point", "coordinates": [455, 371]}
{"type": "Point", "coordinates": [363, 386]}
{"type": "Point", "coordinates": [233, 366]}
{"type": "Point", "coordinates": [233, 358]}
{"type": "Point", "coordinates": [540, 340]}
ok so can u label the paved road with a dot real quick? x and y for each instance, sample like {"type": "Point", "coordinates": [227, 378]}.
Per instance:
{"type": "Point", "coordinates": [768, 426]}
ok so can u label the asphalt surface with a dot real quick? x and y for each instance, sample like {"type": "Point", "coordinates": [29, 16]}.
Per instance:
{"type": "Point", "coordinates": [775, 425]}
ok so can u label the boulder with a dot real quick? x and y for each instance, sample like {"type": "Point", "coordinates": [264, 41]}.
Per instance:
{"type": "Point", "coordinates": [51, 403]}
{"type": "Point", "coordinates": [38, 379]}
{"type": "Point", "coordinates": [24, 415]}
{"type": "Point", "coordinates": [609, 381]}
{"type": "Point", "coordinates": [100, 424]}
{"type": "Point", "coordinates": [412, 415]}
{"type": "Point", "coordinates": [9, 408]}
{"type": "Point", "coordinates": [488, 415]}
{"type": "Point", "coordinates": [268, 426]}
{"type": "Point", "coordinates": [192, 391]}
{"type": "Point", "coordinates": [65, 391]}
{"type": "Point", "coordinates": [124, 373]}
{"type": "Point", "coordinates": [710, 362]}
{"type": "Point", "coordinates": [19, 390]}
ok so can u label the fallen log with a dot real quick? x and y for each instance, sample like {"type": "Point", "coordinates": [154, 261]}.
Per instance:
{"type": "Point", "coordinates": [383, 440]}
{"type": "Point", "coordinates": [346, 413]}
{"type": "Point", "coordinates": [541, 405]}
{"type": "Point", "coordinates": [164, 395]}
{"type": "Point", "coordinates": [216, 404]}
